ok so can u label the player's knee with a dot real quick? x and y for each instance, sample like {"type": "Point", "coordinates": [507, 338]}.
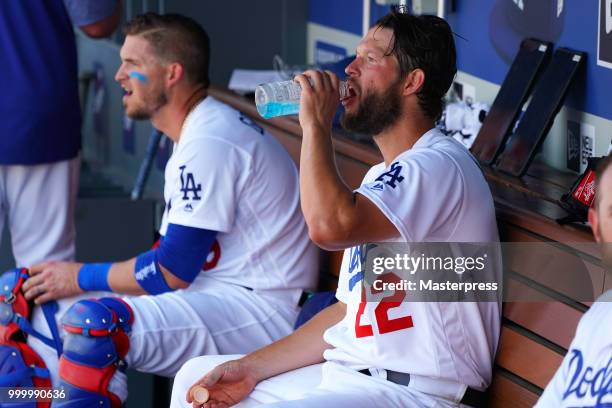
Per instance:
{"type": "Point", "coordinates": [95, 347]}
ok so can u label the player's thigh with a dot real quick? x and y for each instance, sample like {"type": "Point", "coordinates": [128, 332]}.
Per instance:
{"type": "Point", "coordinates": [345, 387]}
{"type": "Point", "coordinates": [190, 372]}
{"type": "Point", "coordinates": [41, 199]}
{"type": "Point", "coordinates": [291, 385]}
{"type": "Point", "coordinates": [362, 398]}
{"type": "Point", "coordinates": [171, 328]}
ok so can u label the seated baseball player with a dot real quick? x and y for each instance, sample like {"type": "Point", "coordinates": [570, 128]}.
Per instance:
{"type": "Point", "coordinates": [387, 353]}
{"type": "Point", "coordinates": [584, 378]}
{"type": "Point", "coordinates": [234, 257]}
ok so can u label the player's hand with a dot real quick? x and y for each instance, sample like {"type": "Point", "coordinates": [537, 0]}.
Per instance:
{"type": "Point", "coordinates": [319, 100]}
{"type": "Point", "coordinates": [52, 280]}
{"type": "Point", "coordinates": [227, 384]}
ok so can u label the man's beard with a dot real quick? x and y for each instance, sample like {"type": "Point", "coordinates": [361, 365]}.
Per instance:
{"type": "Point", "coordinates": [375, 113]}
{"type": "Point", "coordinates": [150, 105]}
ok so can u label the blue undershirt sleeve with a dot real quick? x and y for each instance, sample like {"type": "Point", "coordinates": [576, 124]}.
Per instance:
{"type": "Point", "coordinates": [184, 250]}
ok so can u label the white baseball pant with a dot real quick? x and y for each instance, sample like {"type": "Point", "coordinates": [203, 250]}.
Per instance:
{"type": "Point", "coordinates": [38, 203]}
{"type": "Point", "coordinates": [171, 328]}
{"type": "Point", "coordinates": [321, 385]}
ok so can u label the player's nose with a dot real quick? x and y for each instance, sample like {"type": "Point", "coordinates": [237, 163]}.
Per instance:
{"type": "Point", "coordinates": [352, 68]}
{"type": "Point", "coordinates": [121, 73]}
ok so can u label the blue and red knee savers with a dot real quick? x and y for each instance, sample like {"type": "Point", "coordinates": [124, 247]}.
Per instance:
{"type": "Point", "coordinates": [95, 347]}
{"type": "Point", "coordinates": [20, 365]}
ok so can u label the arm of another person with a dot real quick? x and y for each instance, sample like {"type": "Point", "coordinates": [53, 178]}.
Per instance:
{"type": "Point", "coordinates": [95, 18]}
{"type": "Point", "coordinates": [205, 181]}
{"type": "Point", "coordinates": [174, 265]}
{"type": "Point", "coordinates": [232, 381]}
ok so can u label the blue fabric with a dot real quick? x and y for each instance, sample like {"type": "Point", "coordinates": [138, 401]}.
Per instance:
{"type": "Point", "coordinates": [183, 250]}
{"type": "Point", "coordinates": [26, 327]}
{"type": "Point", "coordinates": [87, 12]}
{"type": "Point", "coordinates": [315, 303]}
{"type": "Point", "coordinates": [40, 117]}
{"type": "Point", "coordinates": [94, 276]}
{"type": "Point", "coordinates": [148, 275]}
{"type": "Point", "coordinates": [49, 310]}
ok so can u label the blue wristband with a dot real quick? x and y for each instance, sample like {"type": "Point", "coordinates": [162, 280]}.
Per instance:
{"type": "Point", "coordinates": [94, 276]}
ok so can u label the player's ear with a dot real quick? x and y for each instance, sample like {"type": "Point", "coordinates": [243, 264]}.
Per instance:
{"type": "Point", "coordinates": [413, 82]}
{"type": "Point", "coordinates": [594, 221]}
{"type": "Point", "coordinates": [174, 73]}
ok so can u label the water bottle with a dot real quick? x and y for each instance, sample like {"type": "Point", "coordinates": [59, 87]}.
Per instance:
{"type": "Point", "coordinates": [283, 98]}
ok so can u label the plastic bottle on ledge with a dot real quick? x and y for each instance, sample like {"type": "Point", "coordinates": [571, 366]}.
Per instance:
{"type": "Point", "coordinates": [283, 98]}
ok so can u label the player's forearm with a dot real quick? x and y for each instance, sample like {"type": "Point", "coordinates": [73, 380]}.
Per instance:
{"type": "Point", "coordinates": [327, 203]}
{"type": "Point", "coordinates": [121, 278]}
{"type": "Point", "coordinates": [302, 348]}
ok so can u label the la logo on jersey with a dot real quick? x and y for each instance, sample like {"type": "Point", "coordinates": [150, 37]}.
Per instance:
{"type": "Point", "coordinates": [391, 178]}
{"type": "Point", "coordinates": [188, 185]}
{"type": "Point", "coordinates": [588, 386]}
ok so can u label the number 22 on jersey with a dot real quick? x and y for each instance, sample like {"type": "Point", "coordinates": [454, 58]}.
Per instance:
{"type": "Point", "coordinates": [381, 310]}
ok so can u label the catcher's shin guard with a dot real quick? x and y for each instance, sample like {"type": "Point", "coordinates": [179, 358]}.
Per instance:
{"type": "Point", "coordinates": [20, 365]}
{"type": "Point", "coordinates": [95, 347]}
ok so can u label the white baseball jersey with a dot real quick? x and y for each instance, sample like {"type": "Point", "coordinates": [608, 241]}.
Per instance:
{"type": "Point", "coordinates": [226, 174]}
{"type": "Point", "coordinates": [433, 192]}
{"type": "Point", "coordinates": [585, 376]}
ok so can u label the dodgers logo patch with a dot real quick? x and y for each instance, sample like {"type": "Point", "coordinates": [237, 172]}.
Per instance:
{"type": "Point", "coordinates": [393, 176]}
{"type": "Point", "coordinates": [591, 386]}
{"type": "Point", "coordinates": [188, 185]}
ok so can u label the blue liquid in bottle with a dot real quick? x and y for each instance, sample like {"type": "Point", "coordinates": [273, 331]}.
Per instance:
{"type": "Point", "coordinates": [282, 98]}
{"type": "Point", "coordinates": [273, 109]}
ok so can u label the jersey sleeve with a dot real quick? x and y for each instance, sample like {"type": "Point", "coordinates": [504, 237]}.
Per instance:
{"type": "Point", "coordinates": [84, 12]}
{"type": "Point", "coordinates": [421, 196]}
{"type": "Point", "coordinates": [209, 176]}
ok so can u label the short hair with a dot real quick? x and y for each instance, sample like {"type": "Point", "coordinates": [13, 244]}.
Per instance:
{"type": "Point", "coordinates": [424, 42]}
{"type": "Point", "coordinates": [175, 38]}
{"type": "Point", "coordinates": [602, 167]}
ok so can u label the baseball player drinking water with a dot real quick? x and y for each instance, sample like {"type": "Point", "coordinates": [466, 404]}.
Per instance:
{"type": "Point", "coordinates": [234, 256]}
{"type": "Point", "coordinates": [584, 378]}
{"type": "Point", "coordinates": [359, 353]}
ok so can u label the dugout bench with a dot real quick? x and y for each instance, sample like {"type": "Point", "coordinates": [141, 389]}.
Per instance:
{"type": "Point", "coordinates": [535, 335]}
